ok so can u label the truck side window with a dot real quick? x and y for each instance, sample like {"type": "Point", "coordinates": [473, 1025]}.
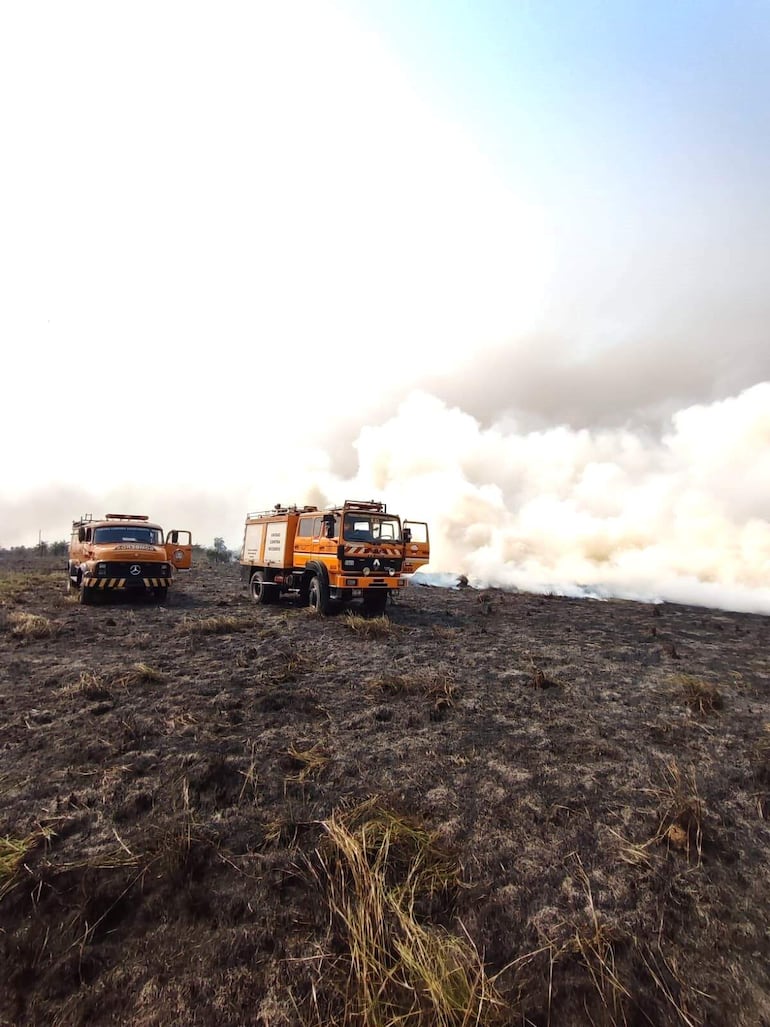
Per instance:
{"type": "Point", "coordinates": [305, 527]}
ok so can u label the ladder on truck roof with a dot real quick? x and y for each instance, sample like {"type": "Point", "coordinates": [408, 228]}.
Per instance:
{"type": "Point", "coordinates": [371, 507]}
{"type": "Point", "coordinates": [279, 510]}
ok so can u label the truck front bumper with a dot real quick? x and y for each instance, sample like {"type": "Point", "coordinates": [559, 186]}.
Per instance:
{"type": "Point", "coordinates": [111, 583]}
{"type": "Point", "coordinates": [111, 575]}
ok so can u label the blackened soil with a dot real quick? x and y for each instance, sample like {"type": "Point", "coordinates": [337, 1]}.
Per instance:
{"type": "Point", "coordinates": [600, 769]}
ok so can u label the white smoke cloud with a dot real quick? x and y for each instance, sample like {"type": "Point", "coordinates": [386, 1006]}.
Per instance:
{"type": "Point", "coordinates": [682, 516]}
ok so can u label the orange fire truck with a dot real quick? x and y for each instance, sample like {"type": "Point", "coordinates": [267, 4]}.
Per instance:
{"type": "Point", "coordinates": [126, 552]}
{"type": "Point", "coordinates": [357, 550]}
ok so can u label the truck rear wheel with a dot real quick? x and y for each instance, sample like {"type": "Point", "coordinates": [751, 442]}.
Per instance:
{"type": "Point", "coordinates": [375, 601]}
{"type": "Point", "coordinates": [318, 595]}
{"type": "Point", "coordinates": [262, 591]}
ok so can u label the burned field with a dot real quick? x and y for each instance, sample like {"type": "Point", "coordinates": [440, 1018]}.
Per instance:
{"type": "Point", "coordinates": [485, 808]}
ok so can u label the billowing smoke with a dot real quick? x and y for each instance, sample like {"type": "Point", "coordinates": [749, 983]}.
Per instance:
{"type": "Point", "coordinates": [682, 515]}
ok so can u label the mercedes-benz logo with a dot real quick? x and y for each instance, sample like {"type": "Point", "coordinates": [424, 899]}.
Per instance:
{"type": "Point", "coordinates": [135, 568]}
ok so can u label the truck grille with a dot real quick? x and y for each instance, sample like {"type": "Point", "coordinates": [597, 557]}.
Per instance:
{"type": "Point", "coordinates": [124, 570]}
{"type": "Point", "coordinates": [356, 565]}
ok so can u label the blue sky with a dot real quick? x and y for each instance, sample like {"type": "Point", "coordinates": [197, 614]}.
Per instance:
{"type": "Point", "coordinates": [634, 125]}
{"type": "Point", "coordinates": [614, 86]}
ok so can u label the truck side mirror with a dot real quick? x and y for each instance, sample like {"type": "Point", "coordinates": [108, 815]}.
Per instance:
{"type": "Point", "coordinates": [328, 520]}
{"type": "Point", "coordinates": [407, 534]}
{"type": "Point", "coordinates": [81, 534]}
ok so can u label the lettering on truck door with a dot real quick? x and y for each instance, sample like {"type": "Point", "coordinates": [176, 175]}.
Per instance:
{"type": "Point", "coordinates": [275, 544]}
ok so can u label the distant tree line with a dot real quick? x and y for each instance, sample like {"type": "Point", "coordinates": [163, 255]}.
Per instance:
{"type": "Point", "coordinates": [41, 549]}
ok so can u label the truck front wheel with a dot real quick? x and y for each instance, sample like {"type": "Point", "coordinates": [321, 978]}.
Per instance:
{"type": "Point", "coordinates": [318, 595]}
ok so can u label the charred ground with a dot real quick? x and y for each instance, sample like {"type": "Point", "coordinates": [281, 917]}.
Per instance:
{"type": "Point", "coordinates": [572, 793]}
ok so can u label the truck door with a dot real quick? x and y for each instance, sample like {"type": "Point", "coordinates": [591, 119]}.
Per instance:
{"type": "Point", "coordinates": [179, 549]}
{"type": "Point", "coordinates": [417, 549]}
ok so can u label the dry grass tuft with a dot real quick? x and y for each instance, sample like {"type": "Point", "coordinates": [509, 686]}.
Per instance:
{"type": "Point", "coordinates": [594, 941]}
{"type": "Point", "coordinates": [539, 679]}
{"type": "Point", "coordinates": [441, 631]}
{"type": "Point", "coordinates": [90, 685]}
{"type": "Point", "coordinates": [13, 853]}
{"type": "Point", "coordinates": [310, 761]}
{"type": "Point", "coordinates": [250, 776]}
{"type": "Point", "coordinates": [680, 811]}
{"type": "Point", "coordinates": [701, 696]}
{"type": "Point", "coordinates": [370, 627]}
{"type": "Point", "coordinates": [138, 674]}
{"type": "Point", "coordinates": [380, 872]}
{"type": "Point", "coordinates": [143, 673]}
{"type": "Point", "coordinates": [287, 667]}
{"type": "Point", "coordinates": [224, 624]}
{"type": "Point", "coordinates": [30, 625]}
{"type": "Point", "coordinates": [633, 853]}
{"type": "Point", "coordinates": [434, 682]}
{"type": "Point", "coordinates": [173, 846]}
{"type": "Point", "coordinates": [761, 771]}
{"type": "Point", "coordinates": [762, 757]}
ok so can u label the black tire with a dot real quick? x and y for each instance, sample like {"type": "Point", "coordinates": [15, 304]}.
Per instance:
{"type": "Point", "coordinates": [85, 595]}
{"type": "Point", "coordinates": [318, 595]}
{"type": "Point", "coordinates": [375, 601]}
{"type": "Point", "coordinates": [161, 593]}
{"type": "Point", "coordinates": [260, 590]}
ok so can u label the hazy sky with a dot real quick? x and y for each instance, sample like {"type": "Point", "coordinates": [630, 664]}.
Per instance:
{"type": "Point", "coordinates": [245, 248]}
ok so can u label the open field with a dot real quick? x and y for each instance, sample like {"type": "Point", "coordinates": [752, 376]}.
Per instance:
{"type": "Point", "coordinates": [488, 808]}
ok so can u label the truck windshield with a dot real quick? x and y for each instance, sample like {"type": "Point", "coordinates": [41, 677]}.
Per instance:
{"type": "Point", "coordinates": [129, 533]}
{"type": "Point", "coordinates": [371, 528]}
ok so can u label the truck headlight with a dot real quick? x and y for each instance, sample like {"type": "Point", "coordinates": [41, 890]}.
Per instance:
{"type": "Point", "coordinates": [101, 569]}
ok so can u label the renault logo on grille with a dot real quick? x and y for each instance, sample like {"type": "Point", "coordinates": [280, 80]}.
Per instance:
{"type": "Point", "coordinates": [135, 568]}
{"type": "Point", "coordinates": [376, 564]}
